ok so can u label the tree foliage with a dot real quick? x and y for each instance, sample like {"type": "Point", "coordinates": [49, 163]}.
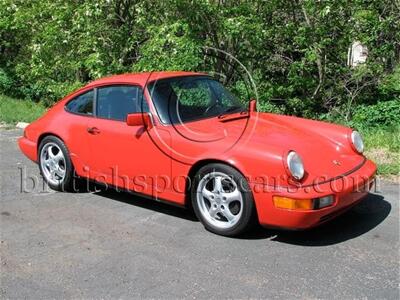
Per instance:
{"type": "Point", "coordinates": [295, 50]}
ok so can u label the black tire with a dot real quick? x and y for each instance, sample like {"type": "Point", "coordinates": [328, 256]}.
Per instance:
{"type": "Point", "coordinates": [68, 183]}
{"type": "Point", "coordinates": [248, 216]}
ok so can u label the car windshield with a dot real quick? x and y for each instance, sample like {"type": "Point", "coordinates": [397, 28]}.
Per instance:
{"type": "Point", "coordinates": [190, 98]}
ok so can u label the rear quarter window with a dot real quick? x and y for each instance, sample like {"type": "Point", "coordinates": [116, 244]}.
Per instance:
{"type": "Point", "coordinates": [82, 104]}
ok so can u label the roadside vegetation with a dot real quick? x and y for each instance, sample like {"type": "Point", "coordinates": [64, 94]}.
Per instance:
{"type": "Point", "coordinates": [17, 110]}
{"type": "Point", "coordinates": [383, 147]}
{"type": "Point", "coordinates": [296, 52]}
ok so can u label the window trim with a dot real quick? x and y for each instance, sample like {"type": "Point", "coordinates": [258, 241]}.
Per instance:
{"type": "Point", "coordinates": [82, 114]}
{"type": "Point", "coordinates": [113, 85]}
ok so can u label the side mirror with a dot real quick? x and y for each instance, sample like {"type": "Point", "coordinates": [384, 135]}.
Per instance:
{"type": "Point", "coordinates": [252, 106]}
{"type": "Point", "coordinates": [139, 119]}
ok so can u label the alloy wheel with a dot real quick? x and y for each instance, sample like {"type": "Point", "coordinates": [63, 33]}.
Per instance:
{"type": "Point", "coordinates": [53, 163]}
{"type": "Point", "coordinates": [219, 200]}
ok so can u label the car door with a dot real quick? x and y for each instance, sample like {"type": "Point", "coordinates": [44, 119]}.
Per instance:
{"type": "Point", "coordinates": [80, 111]}
{"type": "Point", "coordinates": [121, 155]}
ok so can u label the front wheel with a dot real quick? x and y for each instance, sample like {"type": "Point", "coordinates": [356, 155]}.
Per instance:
{"type": "Point", "coordinates": [222, 200]}
{"type": "Point", "coordinates": [55, 164]}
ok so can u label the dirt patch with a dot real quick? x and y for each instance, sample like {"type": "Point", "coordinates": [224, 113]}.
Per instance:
{"type": "Point", "coordinates": [382, 156]}
{"type": "Point", "coordinates": [391, 178]}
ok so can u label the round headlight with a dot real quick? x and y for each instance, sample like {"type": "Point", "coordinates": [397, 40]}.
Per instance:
{"type": "Point", "coordinates": [295, 165]}
{"type": "Point", "coordinates": [357, 141]}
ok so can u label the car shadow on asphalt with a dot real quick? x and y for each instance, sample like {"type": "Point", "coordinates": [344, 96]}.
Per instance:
{"type": "Point", "coordinates": [149, 204]}
{"type": "Point", "coordinates": [359, 220]}
{"type": "Point", "coordinates": [362, 218]}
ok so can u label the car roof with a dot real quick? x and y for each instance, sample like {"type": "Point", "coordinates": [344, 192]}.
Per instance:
{"type": "Point", "coordinates": [140, 78]}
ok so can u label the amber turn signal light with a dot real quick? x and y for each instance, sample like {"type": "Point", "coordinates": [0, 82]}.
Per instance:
{"type": "Point", "coordinates": [293, 204]}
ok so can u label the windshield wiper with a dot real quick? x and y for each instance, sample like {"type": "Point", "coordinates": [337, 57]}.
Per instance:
{"type": "Point", "coordinates": [231, 109]}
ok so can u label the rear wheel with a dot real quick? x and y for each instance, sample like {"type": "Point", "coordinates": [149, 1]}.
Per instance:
{"type": "Point", "coordinates": [55, 164]}
{"type": "Point", "coordinates": [222, 200]}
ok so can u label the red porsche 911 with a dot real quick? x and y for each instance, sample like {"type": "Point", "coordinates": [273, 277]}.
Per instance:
{"type": "Point", "coordinates": [183, 138]}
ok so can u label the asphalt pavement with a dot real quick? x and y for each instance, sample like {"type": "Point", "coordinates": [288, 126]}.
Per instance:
{"type": "Point", "coordinates": [114, 245]}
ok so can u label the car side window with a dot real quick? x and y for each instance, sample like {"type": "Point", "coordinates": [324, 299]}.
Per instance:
{"type": "Point", "coordinates": [82, 104]}
{"type": "Point", "coordinates": [115, 102]}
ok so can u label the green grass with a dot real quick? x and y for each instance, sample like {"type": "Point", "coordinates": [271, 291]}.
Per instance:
{"type": "Point", "coordinates": [382, 144]}
{"type": "Point", "coordinates": [383, 147]}
{"type": "Point", "coordinates": [15, 110]}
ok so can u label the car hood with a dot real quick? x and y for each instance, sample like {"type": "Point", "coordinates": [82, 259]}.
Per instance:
{"type": "Point", "coordinates": [324, 148]}
{"type": "Point", "coordinates": [258, 145]}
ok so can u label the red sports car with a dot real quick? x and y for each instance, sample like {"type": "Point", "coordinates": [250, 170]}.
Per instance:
{"type": "Point", "coordinates": [183, 138]}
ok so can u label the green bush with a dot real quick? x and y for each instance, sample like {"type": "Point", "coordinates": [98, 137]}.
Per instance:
{"type": "Point", "coordinates": [6, 83]}
{"type": "Point", "coordinates": [49, 92]}
{"type": "Point", "coordinates": [390, 84]}
{"type": "Point", "coordinates": [382, 114]}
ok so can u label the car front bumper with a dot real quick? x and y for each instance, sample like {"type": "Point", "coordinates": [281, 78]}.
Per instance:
{"type": "Point", "coordinates": [347, 191]}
